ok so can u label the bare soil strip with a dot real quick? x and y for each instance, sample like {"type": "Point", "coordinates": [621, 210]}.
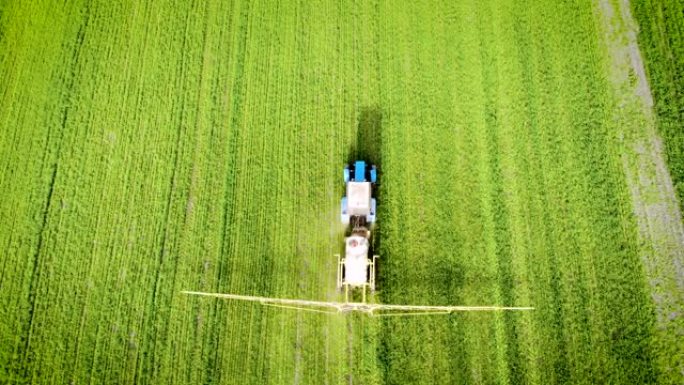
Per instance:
{"type": "Point", "coordinates": [655, 205]}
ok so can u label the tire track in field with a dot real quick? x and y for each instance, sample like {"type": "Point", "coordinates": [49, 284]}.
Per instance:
{"type": "Point", "coordinates": [69, 81]}
{"type": "Point", "coordinates": [497, 210]}
{"type": "Point", "coordinates": [654, 201]}
{"type": "Point", "coordinates": [535, 61]}
{"type": "Point", "coordinates": [147, 362]}
{"type": "Point", "coordinates": [233, 96]}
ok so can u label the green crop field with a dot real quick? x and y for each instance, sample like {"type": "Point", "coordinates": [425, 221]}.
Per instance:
{"type": "Point", "coordinates": [150, 147]}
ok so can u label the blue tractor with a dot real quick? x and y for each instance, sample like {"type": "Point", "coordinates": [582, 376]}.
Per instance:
{"type": "Point", "coordinates": [359, 205]}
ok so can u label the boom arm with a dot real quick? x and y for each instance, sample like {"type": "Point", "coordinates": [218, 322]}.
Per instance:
{"type": "Point", "coordinates": [345, 307]}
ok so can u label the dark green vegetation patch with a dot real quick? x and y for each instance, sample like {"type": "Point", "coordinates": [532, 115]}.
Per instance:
{"type": "Point", "coordinates": [661, 38]}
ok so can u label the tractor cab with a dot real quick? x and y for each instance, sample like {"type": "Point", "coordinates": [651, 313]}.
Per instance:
{"type": "Point", "coordinates": [359, 202]}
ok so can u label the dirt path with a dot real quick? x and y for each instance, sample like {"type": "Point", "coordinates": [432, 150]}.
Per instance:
{"type": "Point", "coordinates": [655, 206]}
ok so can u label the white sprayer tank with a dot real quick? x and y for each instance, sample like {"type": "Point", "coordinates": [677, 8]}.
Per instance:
{"type": "Point", "coordinates": [356, 260]}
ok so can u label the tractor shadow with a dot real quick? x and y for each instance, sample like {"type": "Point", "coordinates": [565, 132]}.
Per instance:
{"type": "Point", "coordinates": [368, 145]}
